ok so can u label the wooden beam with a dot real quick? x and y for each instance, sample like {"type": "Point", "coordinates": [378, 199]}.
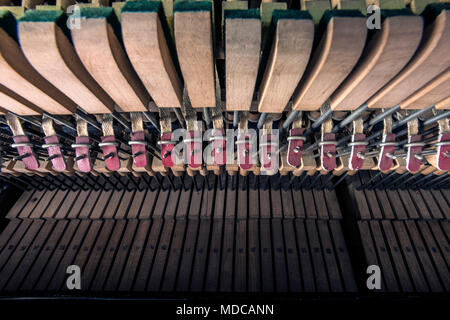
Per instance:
{"type": "Point", "coordinates": [146, 36]}
{"type": "Point", "coordinates": [443, 104]}
{"type": "Point", "coordinates": [242, 50]}
{"type": "Point", "coordinates": [430, 94]}
{"type": "Point", "coordinates": [13, 102]}
{"type": "Point", "coordinates": [430, 59]}
{"type": "Point", "coordinates": [289, 52]}
{"type": "Point", "coordinates": [98, 45]}
{"type": "Point", "coordinates": [388, 51]}
{"type": "Point", "coordinates": [335, 56]}
{"type": "Point", "coordinates": [195, 48]}
{"type": "Point", "coordinates": [48, 49]}
{"type": "Point", "coordinates": [19, 76]}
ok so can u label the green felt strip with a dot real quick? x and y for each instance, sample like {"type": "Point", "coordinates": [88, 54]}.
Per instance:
{"type": "Point", "coordinates": [242, 14]}
{"type": "Point", "coordinates": [103, 13]}
{"type": "Point", "coordinates": [8, 23]}
{"type": "Point", "coordinates": [56, 16]}
{"type": "Point", "coordinates": [142, 6]}
{"type": "Point", "coordinates": [42, 15]}
{"type": "Point", "coordinates": [289, 14]}
{"type": "Point", "coordinates": [186, 6]}
{"type": "Point", "coordinates": [433, 10]}
{"type": "Point", "coordinates": [397, 12]}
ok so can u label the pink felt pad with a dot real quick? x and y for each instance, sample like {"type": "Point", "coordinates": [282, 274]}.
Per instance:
{"type": "Point", "coordinates": [139, 161]}
{"type": "Point", "coordinates": [113, 162]}
{"type": "Point", "coordinates": [219, 147]}
{"type": "Point", "coordinates": [356, 162]}
{"type": "Point", "coordinates": [268, 162]}
{"type": "Point", "coordinates": [385, 163]}
{"type": "Point", "coordinates": [294, 156]}
{"type": "Point", "coordinates": [167, 157]}
{"type": "Point", "coordinates": [58, 162]}
{"type": "Point", "coordinates": [443, 162]}
{"type": "Point", "coordinates": [30, 162]}
{"type": "Point", "coordinates": [413, 164]}
{"type": "Point", "coordinates": [84, 165]}
{"type": "Point", "coordinates": [328, 163]}
{"type": "Point", "coordinates": [194, 149]}
{"type": "Point", "coordinates": [243, 149]}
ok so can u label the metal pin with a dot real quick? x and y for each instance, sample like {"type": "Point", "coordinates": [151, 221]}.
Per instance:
{"type": "Point", "coordinates": [80, 157]}
{"type": "Point", "coordinates": [390, 155]}
{"type": "Point", "coordinates": [442, 183]}
{"type": "Point", "coordinates": [341, 178]}
{"type": "Point", "coordinates": [53, 157]}
{"type": "Point", "coordinates": [23, 156]}
{"type": "Point", "coordinates": [109, 155]}
{"type": "Point", "coordinates": [383, 179]}
{"type": "Point", "coordinates": [392, 184]}
{"type": "Point", "coordinates": [368, 182]}
{"type": "Point", "coordinates": [314, 181]}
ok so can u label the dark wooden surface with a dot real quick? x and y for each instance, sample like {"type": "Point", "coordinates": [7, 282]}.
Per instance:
{"type": "Point", "coordinates": [230, 240]}
{"type": "Point", "coordinates": [212, 240]}
{"type": "Point", "coordinates": [406, 233]}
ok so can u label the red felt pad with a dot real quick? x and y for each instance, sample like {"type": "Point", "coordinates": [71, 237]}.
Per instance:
{"type": "Point", "coordinates": [84, 164]}
{"type": "Point", "coordinates": [140, 160]}
{"type": "Point", "coordinates": [166, 150]}
{"type": "Point", "coordinates": [294, 158]}
{"type": "Point", "coordinates": [268, 163]}
{"type": "Point", "coordinates": [443, 162]}
{"type": "Point", "coordinates": [328, 163]}
{"type": "Point", "coordinates": [58, 163]}
{"type": "Point", "coordinates": [356, 162]}
{"type": "Point", "coordinates": [244, 159]}
{"type": "Point", "coordinates": [385, 163]}
{"type": "Point", "coordinates": [194, 149]}
{"type": "Point", "coordinates": [219, 147]}
{"type": "Point", "coordinates": [413, 164]}
{"type": "Point", "coordinates": [30, 162]}
{"type": "Point", "coordinates": [113, 162]}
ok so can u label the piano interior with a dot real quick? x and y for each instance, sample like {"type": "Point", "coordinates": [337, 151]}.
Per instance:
{"type": "Point", "coordinates": [179, 149]}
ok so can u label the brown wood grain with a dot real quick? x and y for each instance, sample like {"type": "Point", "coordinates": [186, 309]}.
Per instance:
{"type": "Point", "coordinates": [147, 49]}
{"type": "Point", "coordinates": [287, 61]}
{"type": "Point", "coordinates": [20, 77]}
{"type": "Point", "coordinates": [430, 59]}
{"type": "Point", "coordinates": [336, 55]}
{"type": "Point", "coordinates": [241, 62]}
{"type": "Point", "coordinates": [103, 56]}
{"type": "Point", "coordinates": [194, 42]}
{"type": "Point", "coordinates": [433, 92]}
{"type": "Point", "coordinates": [385, 55]}
{"type": "Point", "coordinates": [50, 52]}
